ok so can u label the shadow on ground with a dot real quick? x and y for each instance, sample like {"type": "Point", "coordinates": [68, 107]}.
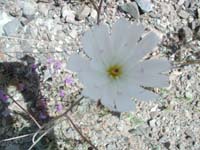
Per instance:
{"type": "Point", "coordinates": [23, 76]}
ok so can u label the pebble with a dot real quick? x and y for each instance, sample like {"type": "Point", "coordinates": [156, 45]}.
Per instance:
{"type": "Point", "coordinates": [93, 13]}
{"type": "Point", "coordinates": [26, 47]}
{"type": "Point", "coordinates": [4, 19]}
{"type": "Point", "coordinates": [185, 34]}
{"type": "Point", "coordinates": [198, 13]}
{"type": "Point", "coordinates": [15, 10]}
{"type": "Point", "coordinates": [145, 5]}
{"type": "Point", "coordinates": [197, 33]}
{"type": "Point", "coordinates": [43, 1]}
{"type": "Point", "coordinates": [130, 8]}
{"type": "Point", "coordinates": [183, 14]}
{"type": "Point", "coordinates": [67, 14]}
{"type": "Point", "coordinates": [12, 27]}
{"type": "Point", "coordinates": [152, 123]}
{"type": "Point", "coordinates": [83, 13]}
{"type": "Point", "coordinates": [43, 9]}
{"type": "Point", "coordinates": [181, 2]}
{"type": "Point", "coordinates": [29, 9]}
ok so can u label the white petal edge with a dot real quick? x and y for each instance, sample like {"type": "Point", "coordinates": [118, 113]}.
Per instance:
{"type": "Point", "coordinates": [77, 63]}
{"type": "Point", "coordinates": [96, 40]}
{"type": "Point", "coordinates": [129, 88]}
{"type": "Point", "coordinates": [117, 100]}
{"type": "Point", "coordinates": [148, 43]}
{"type": "Point", "coordinates": [148, 72]}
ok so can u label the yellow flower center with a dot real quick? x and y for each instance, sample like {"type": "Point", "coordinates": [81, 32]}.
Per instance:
{"type": "Point", "coordinates": [114, 71]}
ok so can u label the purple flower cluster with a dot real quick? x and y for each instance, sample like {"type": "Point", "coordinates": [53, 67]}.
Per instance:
{"type": "Point", "coordinates": [3, 96]}
{"type": "Point", "coordinates": [68, 80]}
{"type": "Point", "coordinates": [59, 107]}
{"type": "Point", "coordinates": [61, 93]}
{"type": "Point", "coordinates": [57, 64]}
{"type": "Point", "coordinates": [43, 107]}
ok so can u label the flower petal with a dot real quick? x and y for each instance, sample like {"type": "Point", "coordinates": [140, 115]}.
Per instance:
{"type": "Point", "coordinates": [154, 66]}
{"type": "Point", "coordinates": [94, 92]}
{"type": "Point", "coordinates": [77, 63]}
{"type": "Point", "coordinates": [124, 103]}
{"type": "Point", "coordinates": [129, 88]}
{"type": "Point", "coordinates": [148, 73]}
{"type": "Point", "coordinates": [119, 31]}
{"type": "Point", "coordinates": [96, 41]}
{"type": "Point", "coordinates": [117, 99]}
{"type": "Point", "coordinates": [107, 97]}
{"type": "Point", "coordinates": [147, 44]}
{"type": "Point", "coordinates": [125, 35]}
{"type": "Point", "coordinates": [145, 95]}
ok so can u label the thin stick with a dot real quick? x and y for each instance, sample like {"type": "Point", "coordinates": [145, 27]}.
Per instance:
{"type": "Point", "coordinates": [17, 137]}
{"type": "Point", "coordinates": [29, 114]}
{"type": "Point", "coordinates": [189, 62]}
{"type": "Point", "coordinates": [80, 133]}
{"type": "Point", "coordinates": [98, 9]}
{"type": "Point", "coordinates": [52, 121]}
{"type": "Point", "coordinates": [22, 39]}
{"type": "Point", "coordinates": [94, 5]}
{"type": "Point", "coordinates": [52, 52]}
{"type": "Point", "coordinates": [45, 133]}
{"type": "Point", "coordinates": [99, 12]}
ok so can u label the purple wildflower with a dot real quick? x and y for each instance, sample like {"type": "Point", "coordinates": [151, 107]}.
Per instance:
{"type": "Point", "coordinates": [68, 80]}
{"type": "Point", "coordinates": [43, 103]}
{"type": "Point", "coordinates": [3, 97]}
{"type": "Point", "coordinates": [50, 60]}
{"type": "Point", "coordinates": [33, 67]}
{"type": "Point", "coordinates": [62, 93]}
{"type": "Point", "coordinates": [59, 107]}
{"type": "Point", "coordinates": [57, 65]}
{"type": "Point", "coordinates": [42, 116]}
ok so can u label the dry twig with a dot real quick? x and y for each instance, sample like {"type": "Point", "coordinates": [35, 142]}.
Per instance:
{"type": "Point", "coordinates": [80, 133]}
{"type": "Point", "coordinates": [98, 9]}
{"type": "Point", "coordinates": [51, 122]}
{"type": "Point", "coordinates": [29, 114]}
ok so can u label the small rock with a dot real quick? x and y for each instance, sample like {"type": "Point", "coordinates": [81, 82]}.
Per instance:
{"type": "Point", "coordinates": [198, 13]}
{"type": "Point", "coordinates": [183, 14]}
{"type": "Point", "coordinates": [190, 19]}
{"type": "Point", "coordinates": [187, 3]}
{"type": "Point", "coordinates": [167, 144]}
{"type": "Point", "coordinates": [93, 13]}
{"type": "Point", "coordinates": [43, 1]}
{"type": "Point", "coordinates": [15, 10]}
{"type": "Point", "coordinates": [152, 123]}
{"type": "Point", "coordinates": [4, 19]}
{"type": "Point", "coordinates": [29, 9]}
{"type": "Point", "coordinates": [83, 13]}
{"type": "Point", "coordinates": [26, 47]}
{"type": "Point", "coordinates": [73, 34]}
{"type": "Point", "coordinates": [188, 95]}
{"type": "Point", "coordinates": [131, 8]}
{"type": "Point", "coordinates": [12, 27]}
{"type": "Point", "coordinates": [67, 14]}
{"type": "Point", "coordinates": [43, 9]}
{"type": "Point", "coordinates": [185, 34]}
{"type": "Point", "coordinates": [197, 32]}
{"type": "Point", "coordinates": [181, 2]}
{"type": "Point", "coordinates": [145, 5]}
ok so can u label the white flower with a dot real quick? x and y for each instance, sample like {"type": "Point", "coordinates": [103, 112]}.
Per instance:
{"type": "Point", "coordinates": [113, 72]}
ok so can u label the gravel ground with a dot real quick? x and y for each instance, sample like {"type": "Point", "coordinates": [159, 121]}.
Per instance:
{"type": "Point", "coordinates": [38, 36]}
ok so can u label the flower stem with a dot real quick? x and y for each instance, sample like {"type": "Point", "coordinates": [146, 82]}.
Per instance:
{"type": "Point", "coordinates": [98, 9]}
